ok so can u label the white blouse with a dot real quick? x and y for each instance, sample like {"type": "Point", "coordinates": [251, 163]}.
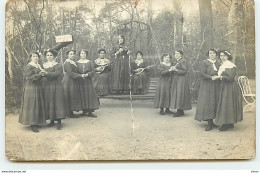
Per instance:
{"type": "Point", "coordinates": [213, 64]}
{"type": "Point", "coordinates": [139, 61]}
{"type": "Point", "coordinates": [49, 64]}
{"type": "Point", "coordinates": [225, 65]}
{"type": "Point", "coordinates": [102, 62]}
{"type": "Point", "coordinates": [71, 62]}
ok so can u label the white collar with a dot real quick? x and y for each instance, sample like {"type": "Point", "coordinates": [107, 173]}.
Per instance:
{"type": "Point", "coordinates": [101, 62]}
{"type": "Point", "coordinates": [166, 64]}
{"type": "Point", "coordinates": [71, 62]}
{"type": "Point", "coordinates": [139, 61]}
{"type": "Point", "coordinates": [49, 64]}
{"type": "Point", "coordinates": [83, 61]}
{"type": "Point", "coordinates": [36, 65]}
{"type": "Point", "coordinates": [213, 64]}
{"type": "Point", "coordinates": [212, 61]}
{"type": "Point", "coordinates": [225, 65]}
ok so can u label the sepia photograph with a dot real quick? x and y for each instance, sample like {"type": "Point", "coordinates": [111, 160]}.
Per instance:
{"type": "Point", "coordinates": [130, 80]}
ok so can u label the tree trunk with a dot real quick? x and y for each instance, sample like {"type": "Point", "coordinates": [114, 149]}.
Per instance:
{"type": "Point", "coordinates": [235, 31]}
{"type": "Point", "coordinates": [178, 24]}
{"type": "Point", "coordinates": [206, 24]}
{"type": "Point", "coordinates": [149, 22]}
{"type": "Point", "coordinates": [10, 65]}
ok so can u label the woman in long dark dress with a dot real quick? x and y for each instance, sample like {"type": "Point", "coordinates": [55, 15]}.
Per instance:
{"type": "Point", "coordinates": [54, 93]}
{"type": "Point", "coordinates": [180, 91]}
{"type": "Point", "coordinates": [140, 75]}
{"type": "Point", "coordinates": [71, 87]}
{"type": "Point", "coordinates": [103, 69]}
{"type": "Point", "coordinates": [32, 108]}
{"type": "Point", "coordinates": [162, 94]}
{"type": "Point", "coordinates": [230, 109]}
{"type": "Point", "coordinates": [208, 90]}
{"type": "Point", "coordinates": [120, 73]}
{"type": "Point", "coordinates": [88, 95]}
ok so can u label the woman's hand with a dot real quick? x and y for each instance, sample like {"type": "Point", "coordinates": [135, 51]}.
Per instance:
{"type": "Point", "coordinates": [138, 69]}
{"type": "Point", "coordinates": [99, 68]}
{"type": "Point", "coordinates": [215, 77]}
{"type": "Point", "coordinates": [43, 73]}
{"type": "Point", "coordinates": [173, 68]}
{"type": "Point", "coordinates": [84, 75]}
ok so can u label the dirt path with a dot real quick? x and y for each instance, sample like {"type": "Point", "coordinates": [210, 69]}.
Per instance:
{"type": "Point", "coordinates": [110, 137]}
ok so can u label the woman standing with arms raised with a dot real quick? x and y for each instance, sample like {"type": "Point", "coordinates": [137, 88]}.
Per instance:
{"type": "Point", "coordinates": [162, 94]}
{"type": "Point", "coordinates": [208, 90]}
{"type": "Point", "coordinates": [180, 91]}
{"type": "Point", "coordinates": [229, 109]}
{"type": "Point", "coordinates": [88, 96]}
{"type": "Point", "coordinates": [32, 108]}
{"type": "Point", "coordinates": [54, 93]}
{"type": "Point", "coordinates": [71, 84]}
{"type": "Point", "coordinates": [120, 74]}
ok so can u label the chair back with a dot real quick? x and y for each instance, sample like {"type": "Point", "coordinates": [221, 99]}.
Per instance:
{"type": "Point", "coordinates": [244, 85]}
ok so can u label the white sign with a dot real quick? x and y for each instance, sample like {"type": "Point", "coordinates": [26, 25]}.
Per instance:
{"type": "Point", "coordinates": [63, 38]}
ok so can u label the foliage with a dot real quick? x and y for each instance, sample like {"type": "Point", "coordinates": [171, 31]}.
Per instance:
{"type": "Point", "coordinates": [31, 25]}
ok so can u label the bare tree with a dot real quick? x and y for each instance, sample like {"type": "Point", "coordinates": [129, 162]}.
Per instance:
{"type": "Point", "coordinates": [206, 24]}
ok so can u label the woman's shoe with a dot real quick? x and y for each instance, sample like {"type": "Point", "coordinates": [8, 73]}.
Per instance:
{"type": "Point", "coordinates": [91, 115]}
{"type": "Point", "coordinates": [59, 127]}
{"type": "Point", "coordinates": [231, 125]}
{"type": "Point", "coordinates": [209, 126]}
{"type": "Point", "coordinates": [51, 124]}
{"type": "Point", "coordinates": [178, 113]}
{"type": "Point", "coordinates": [35, 128]}
{"type": "Point", "coordinates": [168, 111]}
{"type": "Point", "coordinates": [223, 127]}
{"type": "Point", "coordinates": [162, 111]}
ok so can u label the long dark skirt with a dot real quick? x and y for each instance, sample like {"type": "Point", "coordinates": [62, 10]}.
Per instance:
{"type": "Point", "coordinates": [140, 83]}
{"type": "Point", "coordinates": [230, 109]}
{"type": "Point", "coordinates": [89, 98]}
{"type": "Point", "coordinates": [33, 110]}
{"type": "Point", "coordinates": [180, 93]}
{"type": "Point", "coordinates": [72, 94]}
{"type": "Point", "coordinates": [207, 100]}
{"type": "Point", "coordinates": [101, 83]}
{"type": "Point", "coordinates": [54, 100]}
{"type": "Point", "coordinates": [162, 94]}
{"type": "Point", "coordinates": [120, 75]}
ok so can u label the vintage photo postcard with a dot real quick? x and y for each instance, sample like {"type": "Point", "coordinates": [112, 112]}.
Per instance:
{"type": "Point", "coordinates": [129, 80]}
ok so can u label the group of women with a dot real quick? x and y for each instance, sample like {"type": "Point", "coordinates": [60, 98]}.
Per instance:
{"type": "Point", "coordinates": [172, 89]}
{"type": "Point", "coordinates": [54, 91]}
{"type": "Point", "coordinates": [219, 95]}
{"type": "Point", "coordinates": [127, 74]}
{"type": "Point", "coordinates": [50, 94]}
